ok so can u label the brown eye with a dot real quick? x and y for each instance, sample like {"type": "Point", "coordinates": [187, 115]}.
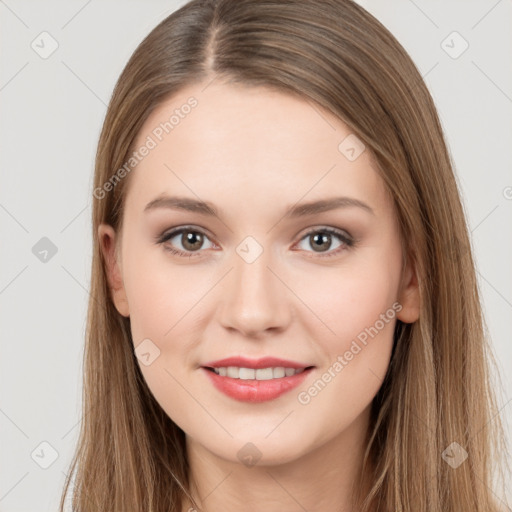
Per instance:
{"type": "Point", "coordinates": [322, 241]}
{"type": "Point", "coordinates": [192, 240]}
{"type": "Point", "coordinates": [184, 241]}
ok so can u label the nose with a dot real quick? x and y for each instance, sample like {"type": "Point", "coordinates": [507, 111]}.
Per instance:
{"type": "Point", "coordinates": [254, 298]}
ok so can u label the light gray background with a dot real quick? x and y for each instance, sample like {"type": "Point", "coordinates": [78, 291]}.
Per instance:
{"type": "Point", "coordinates": [51, 112]}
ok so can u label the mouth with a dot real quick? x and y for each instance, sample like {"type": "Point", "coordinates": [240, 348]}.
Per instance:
{"type": "Point", "coordinates": [270, 373]}
{"type": "Point", "coordinates": [256, 380]}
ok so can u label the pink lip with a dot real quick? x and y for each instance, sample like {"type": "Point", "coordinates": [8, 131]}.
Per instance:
{"type": "Point", "coordinates": [264, 362]}
{"type": "Point", "coordinates": [253, 390]}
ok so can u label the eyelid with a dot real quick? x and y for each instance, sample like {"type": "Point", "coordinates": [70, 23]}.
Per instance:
{"type": "Point", "coordinates": [346, 238]}
{"type": "Point", "coordinates": [328, 229]}
{"type": "Point", "coordinates": [172, 232]}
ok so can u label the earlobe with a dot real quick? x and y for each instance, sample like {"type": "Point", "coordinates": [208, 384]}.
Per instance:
{"type": "Point", "coordinates": [107, 241]}
{"type": "Point", "coordinates": [409, 296]}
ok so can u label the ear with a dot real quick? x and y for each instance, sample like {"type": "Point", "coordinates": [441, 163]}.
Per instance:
{"type": "Point", "coordinates": [107, 242]}
{"type": "Point", "coordinates": [409, 295]}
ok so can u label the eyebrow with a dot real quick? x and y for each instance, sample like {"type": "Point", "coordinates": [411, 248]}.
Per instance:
{"type": "Point", "coordinates": [297, 210]}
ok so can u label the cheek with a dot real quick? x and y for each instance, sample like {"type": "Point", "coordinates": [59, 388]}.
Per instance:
{"type": "Point", "coordinates": [348, 300]}
{"type": "Point", "coordinates": [358, 303]}
{"type": "Point", "coordinates": [357, 357]}
{"type": "Point", "coordinates": [161, 296]}
{"type": "Point", "coordinates": [164, 302]}
{"type": "Point", "coordinates": [358, 308]}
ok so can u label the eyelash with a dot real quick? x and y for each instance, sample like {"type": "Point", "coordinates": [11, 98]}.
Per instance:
{"type": "Point", "coordinates": [347, 241]}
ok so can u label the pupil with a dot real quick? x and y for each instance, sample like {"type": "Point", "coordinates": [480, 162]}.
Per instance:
{"type": "Point", "coordinates": [322, 239]}
{"type": "Point", "coordinates": [192, 238]}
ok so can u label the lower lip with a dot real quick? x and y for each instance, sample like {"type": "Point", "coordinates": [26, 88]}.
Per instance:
{"type": "Point", "coordinates": [253, 390]}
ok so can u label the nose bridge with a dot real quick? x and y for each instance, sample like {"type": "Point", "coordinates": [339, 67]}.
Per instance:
{"type": "Point", "coordinates": [254, 299]}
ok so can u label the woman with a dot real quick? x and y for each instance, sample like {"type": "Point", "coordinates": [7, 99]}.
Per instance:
{"type": "Point", "coordinates": [284, 312]}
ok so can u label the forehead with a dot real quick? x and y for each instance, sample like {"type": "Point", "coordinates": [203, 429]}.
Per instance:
{"type": "Point", "coordinates": [230, 141]}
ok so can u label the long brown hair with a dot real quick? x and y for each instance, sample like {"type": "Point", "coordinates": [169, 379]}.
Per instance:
{"type": "Point", "coordinates": [130, 454]}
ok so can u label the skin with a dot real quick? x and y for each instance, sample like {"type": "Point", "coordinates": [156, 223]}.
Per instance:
{"type": "Point", "coordinates": [253, 153]}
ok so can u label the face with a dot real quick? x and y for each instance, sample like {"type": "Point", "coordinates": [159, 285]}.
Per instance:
{"type": "Point", "coordinates": [256, 274]}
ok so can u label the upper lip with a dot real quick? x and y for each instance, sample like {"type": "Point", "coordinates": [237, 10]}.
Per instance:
{"type": "Point", "coordinates": [264, 362]}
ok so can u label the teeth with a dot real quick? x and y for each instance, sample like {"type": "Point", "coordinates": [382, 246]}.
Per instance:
{"type": "Point", "coordinates": [279, 372]}
{"type": "Point", "coordinates": [232, 371]}
{"type": "Point", "coordinates": [259, 374]}
{"type": "Point", "coordinates": [246, 373]}
{"type": "Point", "coordinates": [262, 373]}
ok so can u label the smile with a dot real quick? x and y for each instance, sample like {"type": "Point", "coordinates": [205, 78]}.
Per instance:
{"type": "Point", "coordinates": [255, 384]}
{"type": "Point", "coordinates": [235, 372]}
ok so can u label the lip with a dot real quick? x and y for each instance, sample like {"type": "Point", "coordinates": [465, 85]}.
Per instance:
{"type": "Point", "coordinates": [253, 390]}
{"type": "Point", "coordinates": [263, 362]}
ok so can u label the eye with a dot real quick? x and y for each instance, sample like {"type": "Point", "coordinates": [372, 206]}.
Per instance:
{"type": "Point", "coordinates": [188, 239]}
{"type": "Point", "coordinates": [322, 239]}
